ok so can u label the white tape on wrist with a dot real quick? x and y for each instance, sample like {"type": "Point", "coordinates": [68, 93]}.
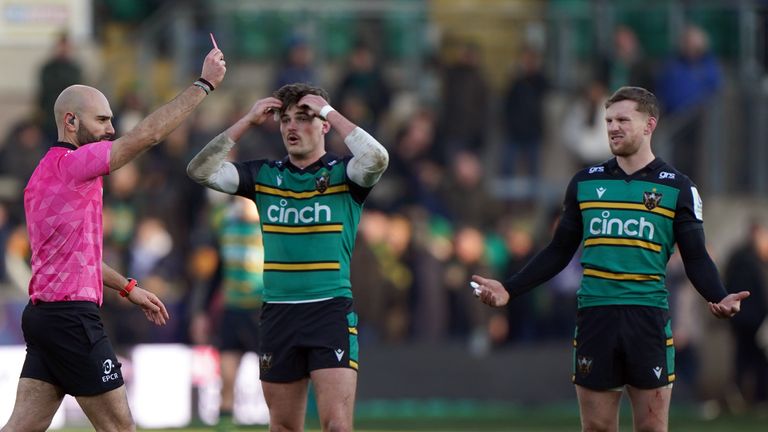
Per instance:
{"type": "Point", "coordinates": [325, 110]}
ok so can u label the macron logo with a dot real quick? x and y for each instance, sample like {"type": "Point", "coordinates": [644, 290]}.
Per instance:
{"type": "Point", "coordinates": [279, 180]}
{"type": "Point", "coordinates": [339, 354]}
{"type": "Point", "coordinates": [600, 191]}
{"type": "Point", "coordinates": [657, 372]}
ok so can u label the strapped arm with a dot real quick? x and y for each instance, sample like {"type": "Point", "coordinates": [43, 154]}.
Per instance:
{"type": "Point", "coordinates": [369, 158]}
{"type": "Point", "coordinates": [210, 169]}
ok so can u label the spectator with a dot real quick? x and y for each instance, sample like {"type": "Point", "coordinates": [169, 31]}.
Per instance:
{"type": "Point", "coordinates": [297, 66]}
{"type": "Point", "coordinates": [626, 65]}
{"type": "Point", "coordinates": [584, 128]}
{"type": "Point", "coordinates": [57, 73]}
{"type": "Point", "coordinates": [746, 270]}
{"type": "Point", "coordinates": [521, 315]}
{"type": "Point", "coordinates": [465, 100]}
{"type": "Point", "coordinates": [465, 193]}
{"type": "Point", "coordinates": [524, 116]}
{"type": "Point", "coordinates": [689, 80]}
{"type": "Point", "coordinates": [23, 148]}
{"type": "Point", "coordinates": [363, 80]}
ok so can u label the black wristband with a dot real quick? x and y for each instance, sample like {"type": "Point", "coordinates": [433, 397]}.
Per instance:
{"type": "Point", "coordinates": [206, 82]}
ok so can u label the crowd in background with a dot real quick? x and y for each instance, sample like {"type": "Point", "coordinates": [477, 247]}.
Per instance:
{"type": "Point", "coordinates": [431, 222]}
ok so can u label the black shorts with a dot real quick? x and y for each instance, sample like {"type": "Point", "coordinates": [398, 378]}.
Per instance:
{"type": "Point", "coordinates": [618, 345]}
{"type": "Point", "coordinates": [299, 338]}
{"type": "Point", "coordinates": [67, 347]}
{"type": "Point", "coordinates": [239, 330]}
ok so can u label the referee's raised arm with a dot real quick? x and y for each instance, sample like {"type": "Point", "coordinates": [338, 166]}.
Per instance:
{"type": "Point", "coordinates": [155, 127]}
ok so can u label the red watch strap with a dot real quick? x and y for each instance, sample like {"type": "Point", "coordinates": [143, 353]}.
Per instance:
{"type": "Point", "coordinates": [128, 288]}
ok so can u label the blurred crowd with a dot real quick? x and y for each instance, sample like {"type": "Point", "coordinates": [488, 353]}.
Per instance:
{"type": "Point", "coordinates": [431, 222]}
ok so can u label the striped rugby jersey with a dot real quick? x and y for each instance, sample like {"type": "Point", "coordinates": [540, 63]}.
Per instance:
{"type": "Point", "coordinates": [309, 221]}
{"type": "Point", "coordinates": [628, 224]}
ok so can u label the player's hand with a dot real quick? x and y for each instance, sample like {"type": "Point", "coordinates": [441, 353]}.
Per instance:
{"type": "Point", "coordinates": [314, 102]}
{"type": "Point", "coordinates": [729, 306]}
{"type": "Point", "coordinates": [153, 308]}
{"type": "Point", "coordinates": [490, 291]}
{"type": "Point", "coordinates": [263, 109]}
{"type": "Point", "coordinates": [214, 67]}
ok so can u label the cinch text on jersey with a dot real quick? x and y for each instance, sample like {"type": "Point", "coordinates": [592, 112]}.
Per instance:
{"type": "Point", "coordinates": [630, 227]}
{"type": "Point", "coordinates": [308, 214]}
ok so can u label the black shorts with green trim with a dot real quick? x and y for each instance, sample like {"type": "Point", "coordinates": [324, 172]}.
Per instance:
{"type": "Point", "coordinates": [623, 345]}
{"type": "Point", "coordinates": [297, 338]}
{"type": "Point", "coordinates": [67, 347]}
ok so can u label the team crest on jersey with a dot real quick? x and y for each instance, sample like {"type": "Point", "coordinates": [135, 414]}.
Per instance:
{"type": "Point", "coordinates": [321, 181]}
{"type": "Point", "coordinates": [265, 362]}
{"type": "Point", "coordinates": [584, 365]}
{"type": "Point", "coordinates": [651, 199]}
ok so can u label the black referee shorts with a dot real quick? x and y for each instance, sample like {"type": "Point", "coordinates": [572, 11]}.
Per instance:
{"type": "Point", "coordinates": [623, 344]}
{"type": "Point", "coordinates": [67, 347]}
{"type": "Point", "coordinates": [299, 338]}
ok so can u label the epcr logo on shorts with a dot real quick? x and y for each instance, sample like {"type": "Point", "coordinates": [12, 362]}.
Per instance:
{"type": "Point", "coordinates": [108, 376]}
{"type": "Point", "coordinates": [107, 366]}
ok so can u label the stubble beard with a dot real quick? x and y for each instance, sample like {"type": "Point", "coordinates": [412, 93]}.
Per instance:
{"type": "Point", "coordinates": [625, 148]}
{"type": "Point", "coordinates": [86, 137]}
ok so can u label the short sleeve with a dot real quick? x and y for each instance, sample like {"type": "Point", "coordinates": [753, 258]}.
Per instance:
{"type": "Point", "coordinates": [87, 162]}
{"type": "Point", "coordinates": [247, 172]}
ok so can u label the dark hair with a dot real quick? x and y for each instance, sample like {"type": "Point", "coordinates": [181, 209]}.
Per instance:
{"type": "Point", "coordinates": [646, 101]}
{"type": "Point", "coordinates": [291, 94]}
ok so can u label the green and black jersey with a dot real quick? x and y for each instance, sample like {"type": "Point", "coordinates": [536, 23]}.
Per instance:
{"type": "Point", "coordinates": [628, 225]}
{"type": "Point", "coordinates": [242, 256]}
{"type": "Point", "coordinates": [309, 220]}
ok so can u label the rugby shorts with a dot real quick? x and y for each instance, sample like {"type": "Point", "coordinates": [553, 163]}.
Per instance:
{"type": "Point", "coordinates": [623, 345]}
{"type": "Point", "coordinates": [298, 338]}
{"type": "Point", "coordinates": [239, 330]}
{"type": "Point", "coordinates": [67, 347]}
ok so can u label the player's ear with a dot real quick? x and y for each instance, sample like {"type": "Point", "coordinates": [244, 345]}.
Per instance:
{"type": "Point", "coordinates": [650, 125]}
{"type": "Point", "coordinates": [326, 127]}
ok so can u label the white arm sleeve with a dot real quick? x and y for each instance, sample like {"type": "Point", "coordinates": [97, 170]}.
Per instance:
{"type": "Point", "coordinates": [369, 158]}
{"type": "Point", "coordinates": [210, 169]}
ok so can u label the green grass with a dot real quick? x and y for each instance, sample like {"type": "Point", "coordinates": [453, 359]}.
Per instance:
{"type": "Point", "coordinates": [517, 419]}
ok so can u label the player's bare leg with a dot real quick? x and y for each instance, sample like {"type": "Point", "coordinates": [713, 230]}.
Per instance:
{"type": "Point", "coordinates": [650, 408]}
{"type": "Point", "coordinates": [108, 412]}
{"type": "Point", "coordinates": [287, 403]}
{"type": "Point", "coordinates": [230, 361]}
{"type": "Point", "coordinates": [335, 391]}
{"type": "Point", "coordinates": [36, 404]}
{"type": "Point", "coordinates": [599, 410]}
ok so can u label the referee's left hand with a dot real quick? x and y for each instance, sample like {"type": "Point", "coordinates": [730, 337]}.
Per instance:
{"type": "Point", "coordinates": [153, 308]}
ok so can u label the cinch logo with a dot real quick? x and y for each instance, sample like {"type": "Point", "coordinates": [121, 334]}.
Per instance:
{"type": "Point", "coordinates": [632, 227]}
{"type": "Point", "coordinates": [308, 214]}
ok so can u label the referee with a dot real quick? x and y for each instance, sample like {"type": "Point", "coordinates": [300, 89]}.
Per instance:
{"type": "Point", "coordinates": [68, 351]}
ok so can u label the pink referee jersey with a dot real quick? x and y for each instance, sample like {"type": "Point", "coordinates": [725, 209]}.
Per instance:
{"type": "Point", "coordinates": [63, 206]}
